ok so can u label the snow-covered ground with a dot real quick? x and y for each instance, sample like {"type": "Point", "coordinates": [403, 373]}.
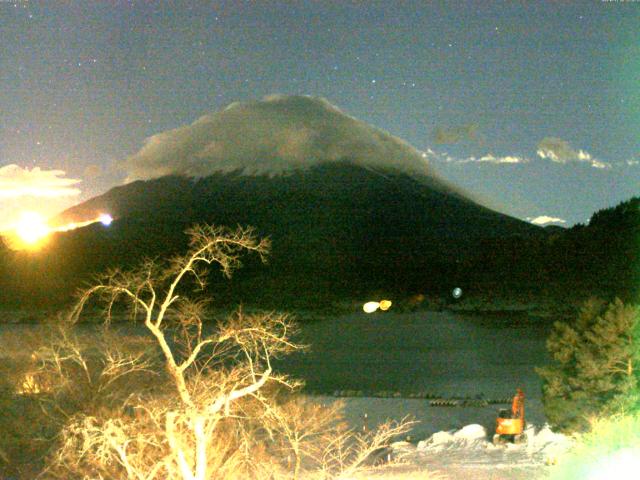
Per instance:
{"type": "Point", "coordinates": [448, 441]}
{"type": "Point", "coordinates": [468, 453]}
{"type": "Point", "coordinates": [438, 354]}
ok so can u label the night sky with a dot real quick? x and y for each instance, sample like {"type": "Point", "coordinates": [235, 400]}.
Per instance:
{"type": "Point", "coordinates": [533, 107]}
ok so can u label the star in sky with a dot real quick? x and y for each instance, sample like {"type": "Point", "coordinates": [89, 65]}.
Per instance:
{"type": "Point", "coordinates": [120, 73]}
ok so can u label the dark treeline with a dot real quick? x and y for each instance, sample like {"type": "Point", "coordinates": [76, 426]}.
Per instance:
{"type": "Point", "coordinates": [600, 259]}
{"type": "Point", "coordinates": [338, 232]}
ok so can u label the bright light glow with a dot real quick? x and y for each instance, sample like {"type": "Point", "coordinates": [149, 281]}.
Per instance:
{"type": "Point", "coordinates": [31, 229]}
{"type": "Point", "coordinates": [457, 292]}
{"type": "Point", "coordinates": [105, 219]}
{"type": "Point", "coordinates": [385, 305]}
{"type": "Point", "coordinates": [30, 385]}
{"type": "Point", "coordinates": [624, 463]}
{"type": "Point", "coordinates": [370, 307]}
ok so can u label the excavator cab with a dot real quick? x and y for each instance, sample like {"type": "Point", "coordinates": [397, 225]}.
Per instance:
{"type": "Point", "coordinates": [510, 424]}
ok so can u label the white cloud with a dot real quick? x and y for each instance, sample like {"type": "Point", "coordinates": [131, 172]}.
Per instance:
{"type": "Point", "coordinates": [544, 219]}
{"type": "Point", "coordinates": [598, 164]}
{"type": "Point", "coordinates": [508, 159]}
{"type": "Point", "coordinates": [489, 158]}
{"type": "Point", "coordinates": [550, 154]}
{"type": "Point", "coordinates": [584, 156]}
{"type": "Point", "coordinates": [560, 151]}
{"type": "Point", "coordinates": [16, 181]}
{"type": "Point", "coordinates": [274, 135]}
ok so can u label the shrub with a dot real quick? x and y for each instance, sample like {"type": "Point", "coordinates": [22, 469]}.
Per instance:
{"type": "Point", "coordinates": [595, 369]}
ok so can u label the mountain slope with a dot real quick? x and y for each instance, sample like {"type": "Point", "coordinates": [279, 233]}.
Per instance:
{"type": "Point", "coordinates": [338, 227]}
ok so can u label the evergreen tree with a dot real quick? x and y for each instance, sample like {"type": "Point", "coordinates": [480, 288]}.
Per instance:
{"type": "Point", "coordinates": [595, 369]}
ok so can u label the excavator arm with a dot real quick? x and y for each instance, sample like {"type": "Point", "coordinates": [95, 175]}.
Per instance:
{"type": "Point", "coordinates": [510, 425]}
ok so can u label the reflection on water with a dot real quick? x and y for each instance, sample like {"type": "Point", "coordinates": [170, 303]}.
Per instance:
{"type": "Point", "coordinates": [435, 352]}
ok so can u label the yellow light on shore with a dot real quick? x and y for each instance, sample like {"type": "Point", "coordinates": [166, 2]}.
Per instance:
{"type": "Point", "coordinates": [370, 307]}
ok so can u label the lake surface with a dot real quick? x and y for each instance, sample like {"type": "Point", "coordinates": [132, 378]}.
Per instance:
{"type": "Point", "coordinates": [439, 353]}
{"type": "Point", "coordinates": [436, 353]}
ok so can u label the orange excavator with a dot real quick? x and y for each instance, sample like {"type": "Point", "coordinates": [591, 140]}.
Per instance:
{"type": "Point", "coordinates": [510, 424]}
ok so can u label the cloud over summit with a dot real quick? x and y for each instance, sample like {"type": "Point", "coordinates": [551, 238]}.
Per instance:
{"type": "Point", "coordinates": [274, 135]}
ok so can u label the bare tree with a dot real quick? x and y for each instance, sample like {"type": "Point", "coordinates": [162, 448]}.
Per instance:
{"type": "Point", "coordinates": [222, 415]}
{"type": "Point", "coordinates": [205, 395]}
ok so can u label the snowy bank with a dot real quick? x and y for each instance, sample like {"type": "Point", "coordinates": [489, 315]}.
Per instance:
{"type": "Point", "coordinates": [470, 453]}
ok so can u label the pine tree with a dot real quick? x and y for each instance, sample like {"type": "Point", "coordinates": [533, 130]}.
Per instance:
{"type": "Point", "coordinates": [595, 368]}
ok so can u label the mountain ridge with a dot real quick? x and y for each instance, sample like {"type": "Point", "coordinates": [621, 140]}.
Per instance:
{"type": "Point", "coordinates": [348, 227]}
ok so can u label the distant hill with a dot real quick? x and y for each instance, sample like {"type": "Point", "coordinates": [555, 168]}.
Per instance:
{"type": "Point", "coordinates": [605, 254]}
{"type": "Point", "coordinates": [567, 265]}
{"type": "Point", "coordinates": [337, 229]}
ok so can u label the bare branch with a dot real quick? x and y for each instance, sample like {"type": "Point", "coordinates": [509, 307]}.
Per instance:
{"type": "Point", "coordinates": [223, 409]}
{"type": "Point", "coordinates": [194, 354]}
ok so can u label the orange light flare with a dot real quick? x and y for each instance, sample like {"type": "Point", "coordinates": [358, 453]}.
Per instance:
{"type": "Point", "coordinates": [31, 231]}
